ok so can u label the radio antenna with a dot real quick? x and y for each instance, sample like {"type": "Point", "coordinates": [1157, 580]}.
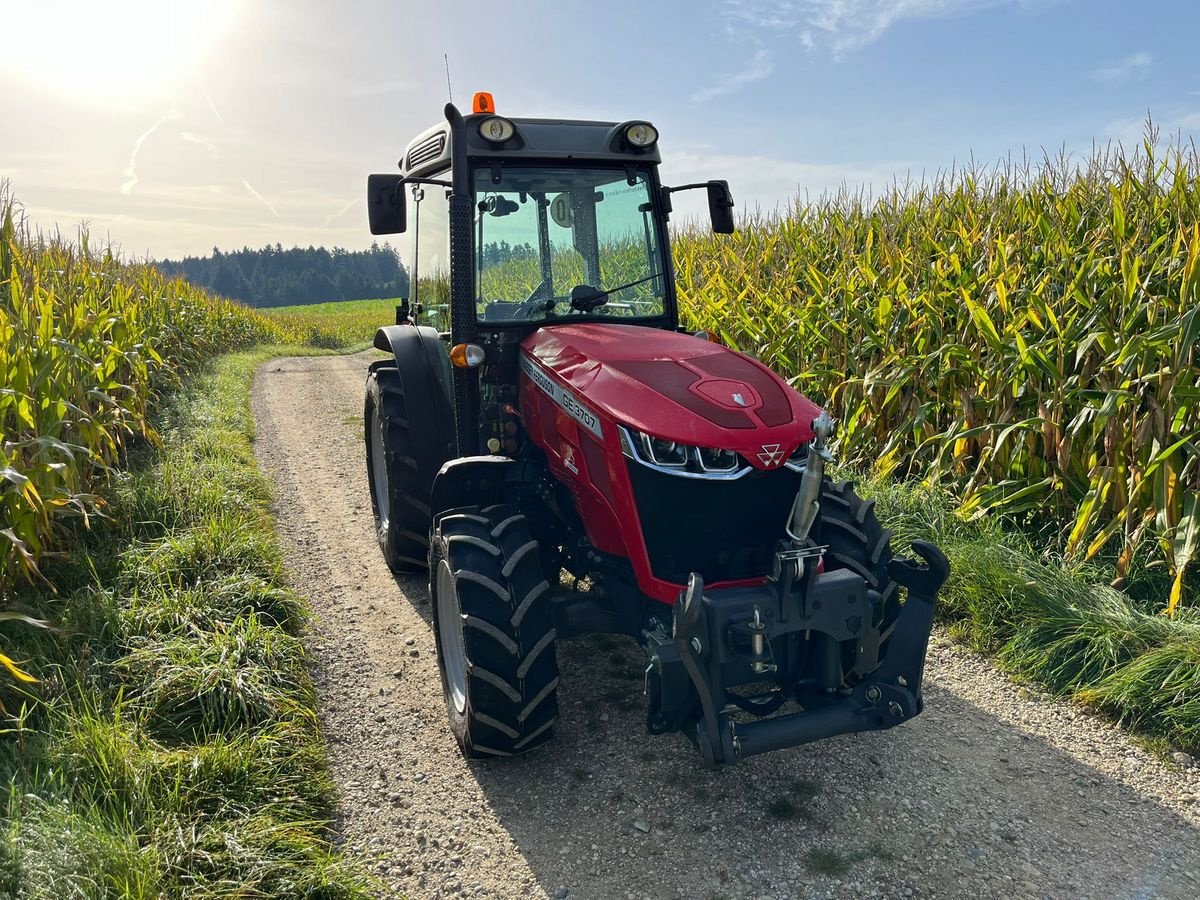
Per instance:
{"type": "Point", "coordinates": [449, 90]}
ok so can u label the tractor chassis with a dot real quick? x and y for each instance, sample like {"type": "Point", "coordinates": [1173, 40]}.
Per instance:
{"type": "Point", "coordinates": [713, 635]}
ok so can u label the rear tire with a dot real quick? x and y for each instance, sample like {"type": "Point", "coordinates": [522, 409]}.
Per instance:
{"type": "Point", "coordinates": [495, 631]}
{"type": "Point", "coordinates": [401, 512]}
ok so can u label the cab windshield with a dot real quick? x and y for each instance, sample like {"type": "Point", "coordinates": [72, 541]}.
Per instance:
{"type": "Point", "coordinates": [553, 244]}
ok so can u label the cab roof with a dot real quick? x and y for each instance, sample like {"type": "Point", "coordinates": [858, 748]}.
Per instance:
{"type": "Point", "coordinates": [542, 140]}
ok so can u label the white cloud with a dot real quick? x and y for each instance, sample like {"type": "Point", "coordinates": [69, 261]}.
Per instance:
{"type": "Point", "coordinates": [349, 205]}
{"type": "Point", "coordinates": [759, 67]}
{"type": "Point", "coordinates": [1134, 67]}
{"type": "Point", "coordinates": [260, 198]}
{"type": "Point", "coordinates": [761, 15]}
{"type": "Point", "coordinates": [206, 142]}
{"type": "Point", "coordinates": [845, 25]}
{"type": "Point", "coordinates": [768, 185]}
{"type": "Point", "coordinates": [130, 171]}
{"type": "Point", "coordinates": [170, 220]}
{"type": "Point", "coordinates": [1179, 123]}
{"type": "Point", "coordinates": [374, 89]}
{"type": "Point", "coordinates": [207, 99]}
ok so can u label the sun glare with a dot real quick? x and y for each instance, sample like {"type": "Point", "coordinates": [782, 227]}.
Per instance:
{"type": "Point", "coordinates": [91, 48]}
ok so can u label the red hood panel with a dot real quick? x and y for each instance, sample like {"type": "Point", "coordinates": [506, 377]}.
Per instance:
{"type": "Point", "coordinates": [676, 386]}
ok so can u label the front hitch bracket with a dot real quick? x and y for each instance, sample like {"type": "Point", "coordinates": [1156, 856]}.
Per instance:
{"type": "Point", "coordinates": [689, 639]}
{"type": "Point", "coordinates": [888, 696]}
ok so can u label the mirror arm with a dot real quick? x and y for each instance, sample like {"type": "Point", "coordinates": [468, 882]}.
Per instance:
{"type": "Point", "coordinates": [720, 202]}
{"type": "Point", "coordinates": [438, 181]}
{"type": "Point", "coordinates": [686, 187]}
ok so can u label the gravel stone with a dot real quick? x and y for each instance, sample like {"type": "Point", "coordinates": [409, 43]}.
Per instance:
{"type": "Point", "coordinates": [916, 821]}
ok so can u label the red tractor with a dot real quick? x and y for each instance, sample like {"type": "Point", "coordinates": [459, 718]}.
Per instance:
{"type": "Point", "coordinates": [564, 459]}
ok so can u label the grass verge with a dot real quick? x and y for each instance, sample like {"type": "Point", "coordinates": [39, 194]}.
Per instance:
{"type": "Point", "coordinates": [170, 748]}
{"type": "Point", "coordinates": [1055, 622]}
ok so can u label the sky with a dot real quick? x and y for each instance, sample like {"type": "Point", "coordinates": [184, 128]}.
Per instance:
{"type": "Point", "coordinates": [173, 126]}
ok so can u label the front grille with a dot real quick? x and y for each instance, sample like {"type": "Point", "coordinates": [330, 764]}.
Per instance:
{"type": "Point", "coordinates": [721, 529]}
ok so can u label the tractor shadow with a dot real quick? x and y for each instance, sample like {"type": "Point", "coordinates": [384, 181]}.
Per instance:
{"type": "Point", "coordinates": [954, 803]}
{"type": "Point", "coordinates": [415, 590]}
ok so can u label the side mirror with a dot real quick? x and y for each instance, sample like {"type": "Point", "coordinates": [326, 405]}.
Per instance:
{"type": "Point", "coordinates": [385, 204]}
{"type": "Point", "coordinates": [720, 207]}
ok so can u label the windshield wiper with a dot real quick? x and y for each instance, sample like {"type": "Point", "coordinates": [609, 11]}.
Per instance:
{"type": "Point", "coordinates": [586, 299]}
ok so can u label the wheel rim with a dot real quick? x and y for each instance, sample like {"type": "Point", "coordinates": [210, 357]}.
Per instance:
{"type": "Point", "coordinates": [450, 638]}
{"type": "Point", "coordinates": [379, 473]}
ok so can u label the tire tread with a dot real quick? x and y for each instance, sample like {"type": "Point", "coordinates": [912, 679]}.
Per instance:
{"type": "Point", "coordinates": [858, 542]}
{"type": "Point", "coordinates": [404, 537]}
{"type": "Point", "coordinates": [508, 629]}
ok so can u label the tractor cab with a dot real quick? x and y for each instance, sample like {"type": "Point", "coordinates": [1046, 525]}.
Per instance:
{"type": "Point", "coordinates": [541, 423]}
{"type": "Point", "coordinates": [568, 220]}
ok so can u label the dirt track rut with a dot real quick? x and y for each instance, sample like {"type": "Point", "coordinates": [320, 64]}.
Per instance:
{"type": "Point", "coordinates": [993, 792]}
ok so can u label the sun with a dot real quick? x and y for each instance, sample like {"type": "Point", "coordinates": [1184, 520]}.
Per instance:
{"type": "Point", "coordinates": [95, 48]}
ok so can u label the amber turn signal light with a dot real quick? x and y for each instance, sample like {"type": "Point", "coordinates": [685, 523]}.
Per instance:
{"type": "Point", "coordinates": [466, 356]}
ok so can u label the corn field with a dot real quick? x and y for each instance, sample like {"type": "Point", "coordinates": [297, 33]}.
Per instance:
{"type": "Point", "coordinates": [86, 345]}
{"type": "Point", "coordinates": [1028, 335]}
{"type": "Point", "coordinates": [337, 325]}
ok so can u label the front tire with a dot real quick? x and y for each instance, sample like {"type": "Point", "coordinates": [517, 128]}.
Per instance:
{"type": "Point", "coordinates": [496, 636]}
{"type": "Point", "coordinates": [858, 542]}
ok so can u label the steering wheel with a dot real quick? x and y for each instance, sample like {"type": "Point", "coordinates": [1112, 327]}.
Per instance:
{"type": "Point", "coordinates": [540, 299]}
{"type": "Point", "coordinates": [586, 299]}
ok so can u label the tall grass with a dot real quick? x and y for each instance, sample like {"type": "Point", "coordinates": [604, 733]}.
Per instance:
{"type": "Point", "coordinates": [157, 733]}
{"type": "Point", "coordinates": [87, 343]}
{"type": "Point", "coordinates": [1028, 335]}
{"type": "Point", "coordinates": [1055, 622]}
{"type": "Point", "coordinates": [171, 748]}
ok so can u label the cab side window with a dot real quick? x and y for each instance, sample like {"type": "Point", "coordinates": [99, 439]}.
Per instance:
{"type": "Point", "coordinates": [431, 254]}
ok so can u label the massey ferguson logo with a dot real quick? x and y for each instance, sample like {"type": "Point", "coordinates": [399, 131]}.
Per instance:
{"type": "Point", "coordinates": [740, 400]}
{"type": "Point", "coordinates": [771, 455]}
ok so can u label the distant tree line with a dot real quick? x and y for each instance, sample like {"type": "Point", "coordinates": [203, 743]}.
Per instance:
{"type": "Point", "coordinates": [497, 252]}
{"type": "Point", "coordinates": [273, 276]}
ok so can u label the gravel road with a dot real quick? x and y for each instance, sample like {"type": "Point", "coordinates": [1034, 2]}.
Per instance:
{"type": "Point", "coordinates": [995, 791]}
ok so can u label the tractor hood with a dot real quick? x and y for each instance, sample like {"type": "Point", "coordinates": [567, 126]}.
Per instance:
{"type": "Point", "coordinates": [678, 387]}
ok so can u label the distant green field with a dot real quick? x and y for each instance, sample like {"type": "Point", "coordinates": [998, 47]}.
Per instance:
{"type": "Point", "coordinates": [337, 325]}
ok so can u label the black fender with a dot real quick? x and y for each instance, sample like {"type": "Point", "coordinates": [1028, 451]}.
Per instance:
{"type": "Point", "coordinates": [422, 360]}
{"type": "Point", "coordinates": [471, 481]}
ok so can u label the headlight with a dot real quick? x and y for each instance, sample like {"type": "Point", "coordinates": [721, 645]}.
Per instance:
{"type": "Point", "coordinates": [496, 129]}
{"type": "Point", "coordinates": [662, 452]}
{"type": "Point", "coordinates": [717, 460]}
{"type": "Point", "coordinates": [641, 134]}
{"type": "Point", "coordinates": [674, 458]}
{"type": "Point", "coordinates": [799, 458]}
